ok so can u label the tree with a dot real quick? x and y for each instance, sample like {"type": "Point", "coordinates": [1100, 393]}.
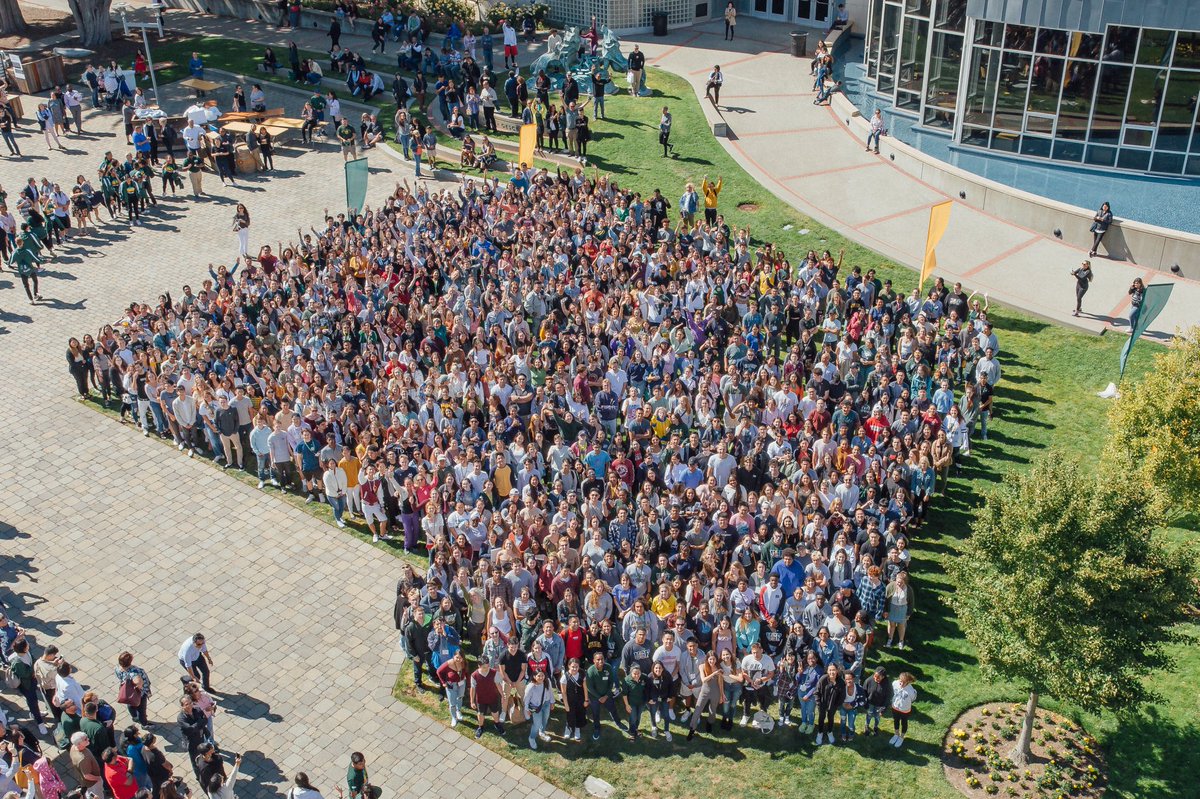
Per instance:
{"type": "Point", "coordinates": [95, 27]}
{"type": "Point", "coordinates": [1155, 424]}
{"type": "Point", "coordinates": [1065, 589]}
{"type": "Point", "coordinates": [11, 19]}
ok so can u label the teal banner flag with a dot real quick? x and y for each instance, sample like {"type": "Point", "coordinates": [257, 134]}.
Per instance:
{"type": "Point", "coordinates": [1154, 301]}
{"type": "Point", "coordinates": [356, 184]}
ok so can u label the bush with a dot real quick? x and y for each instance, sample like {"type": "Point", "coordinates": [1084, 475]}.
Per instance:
{"type": "Point", "coordinates": [517, 14]}
{"type": "Point", "coordinates": [439, 13]}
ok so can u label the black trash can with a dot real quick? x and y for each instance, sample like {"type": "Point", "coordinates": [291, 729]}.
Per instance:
{"type": "Point", "coordinates": [659, 20]}
{"type": "Point", "coordinates": [799, 44]}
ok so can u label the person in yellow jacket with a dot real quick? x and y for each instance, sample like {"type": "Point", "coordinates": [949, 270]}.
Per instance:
{"type": "Point", "coordinates": [711, 192]}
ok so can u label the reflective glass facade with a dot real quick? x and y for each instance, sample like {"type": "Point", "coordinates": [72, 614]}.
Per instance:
{"type": "Point", "coordinates": [1125, 98]}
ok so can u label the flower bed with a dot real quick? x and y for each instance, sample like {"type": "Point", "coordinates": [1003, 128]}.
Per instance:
{"type": "Point", "coordinates": [1065, 762]}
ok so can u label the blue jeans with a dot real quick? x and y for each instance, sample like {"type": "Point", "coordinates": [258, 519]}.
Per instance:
{"type": "Point", "coordinates": [808, 711]}
{"type": "Point", "coordinates": [454, 697]}
{"type": "Point", "coordinates": [873, 715]}
{"type": "Point", "coordinates": [417, 161]}
{"type": "Point", "coordinates": [264, 466]}
{"type": "Point", "coordinates": [598, 107]}
{"type": "Point", "coordinates": [875, 134]}
{"type": "Point", "coordinates": [540, 719]}
{"type": "Point", "coordinates": [406, 144]}
{"type": "Point", "coordinates": [635, 717]}
{"type": "Point", "coordinates": [848, 719]}
{"type": "Point", "coordinates": [339, 506]}
{"type": "Point", "coordinates": [732, 694]}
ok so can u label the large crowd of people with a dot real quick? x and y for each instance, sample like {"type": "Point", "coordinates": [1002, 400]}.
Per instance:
{"type": "Point", "coordinates": [653, 467]}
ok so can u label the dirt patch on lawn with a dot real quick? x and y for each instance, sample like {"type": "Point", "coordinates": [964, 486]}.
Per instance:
{"type": "Point", "coordinates": [748, 208]}
{"type": "Point", "coordinates": [1065, 762]}
{"type": "Point", "coordinates": [40, 23]}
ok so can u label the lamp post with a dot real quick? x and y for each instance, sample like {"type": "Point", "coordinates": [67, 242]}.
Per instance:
{"type": "Point", "coordinates": [157, 25]}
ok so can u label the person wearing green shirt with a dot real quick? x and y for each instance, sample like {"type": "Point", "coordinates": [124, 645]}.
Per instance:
{"type": "Point", "coordinates": [108, 191]}
{"type": "Point", "coordinates": [345, 134]}
{"type": "Point", "coordinates": [600, 691]}
{"type": "Point", "coordinates": [633, 689]}
{"type": "Point", "coordinates": [194, 165]}
{"type": "Point", "coordinates": [129, 198]}
{"type": "Point", "coordinates": [26, 262]}
{"type": "Point", "coordinates": [357, 780]}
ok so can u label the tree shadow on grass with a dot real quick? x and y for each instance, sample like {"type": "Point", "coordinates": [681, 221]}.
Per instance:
{"type": "Point", "coordinates": [1153, 748]}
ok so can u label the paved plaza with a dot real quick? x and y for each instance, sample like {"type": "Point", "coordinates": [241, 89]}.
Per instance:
{"type": "Point", "coordinates": [113, 541]}
{"type": "Point", "coordinates": [110, 540]}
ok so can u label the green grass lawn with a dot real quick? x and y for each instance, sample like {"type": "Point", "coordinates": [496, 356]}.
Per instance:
{"type": "Point", "coordinates": [1047, 398]}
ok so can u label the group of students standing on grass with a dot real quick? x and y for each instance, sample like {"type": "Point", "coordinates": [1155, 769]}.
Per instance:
{"type": "Point", "coordinates": [608, 429]}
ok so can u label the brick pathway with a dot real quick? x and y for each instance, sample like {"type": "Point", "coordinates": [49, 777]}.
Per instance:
{"type": "Point", "coordinates": [109, 540]}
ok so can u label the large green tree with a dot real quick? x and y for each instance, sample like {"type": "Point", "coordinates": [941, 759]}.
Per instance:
{"type": "Point", "coordinates": [1065, 589]}
{"type": "Point", "coordinates": [1155, 424]}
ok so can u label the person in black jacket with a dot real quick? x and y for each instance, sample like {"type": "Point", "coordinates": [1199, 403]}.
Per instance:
{"type": "Point", "coordinates": [194, 726]}
{"type": "Point", "coordinates": [658, 693]}
{"type": "Point", "coordinates": [416, 644]}
{"type": "Point", "coordinates": [877, 692]}
{"type": "Point", "coordinates": [831, 692]}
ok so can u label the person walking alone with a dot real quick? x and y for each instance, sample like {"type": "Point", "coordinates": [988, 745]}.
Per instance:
{"type": "Point", "coordinates": [1083, 277]}
{"type": "Point", "coordinates": [712, 90]}
{"type": "Point", "coordinates": [241, 227]}
{"type": "Point", "coordinates": [196, 660]}
{"type": "Point", "coordinates": [730, 21]}
{"type": "Point", "coordinates": [664, 131]}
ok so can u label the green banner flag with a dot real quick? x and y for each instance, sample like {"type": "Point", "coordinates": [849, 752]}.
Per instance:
{"type": "Point", "coordinates": [1153, 302]}
{"type": "Point", "coordinates": [356, 184]}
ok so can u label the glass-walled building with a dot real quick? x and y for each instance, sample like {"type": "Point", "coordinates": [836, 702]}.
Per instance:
{"type": "Point", "coordinates": [1095, 82]}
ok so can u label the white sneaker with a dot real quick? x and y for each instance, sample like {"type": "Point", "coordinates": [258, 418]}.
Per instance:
{"type": "Point", "coordinates": [453, 722]}
{"type": "Point", "coordinates": [533, 743]}
{"type": "Point", "coordinates": [578, 736]}
{"type": "Point", "coordinates": [745, 720]}
{"type": "Point", "coordinates": [901, 645]}
{"type": "Point", "coordinates": [683, 718]}
{"type": "Point", "coordinates": [260, 485]}
{"type": "Point", "coordinates": [274, 482]}
{"type": "Point", "coordinates": [820, 738]}
{"type": "Point", "coordinates": [654, 732]}
{"type": "Point", "coordinates": [340, 523]}
{"type": "Point", "coordinates": [670, 714]}
{"type": "Point", "coordinates": [544, 736]}
{"type": "Point", "coordinates": [308, 499]}
{"type": "Point", "coordinates": [374, 538]}
{"type": "Point", "coordinates": [191, 453]}
{"type": "Point", "coordinates": [43, 729]}
{"type": "Point", "coordinates": [181, 447]}
{"type": "Point", "coordinates": [899, 742]}
{"type": "Point", "coordinates": [668, 737]}
{"type": "Point", "coordinates": [892, 740]}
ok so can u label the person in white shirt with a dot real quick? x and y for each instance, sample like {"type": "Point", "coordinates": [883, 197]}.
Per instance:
{"type": "Point", "coordinates": [67, 688]}
{"type": "Point", "coordinates": [191, 136]}
{"type": "Point", "coordinates": [903, 696]}
{"type": "Point", "coordinates": [221, 788]}
{"type": "Point", "coordinates": [196, 660]}
{"type": "Point", "coordinates": [303, 788]}
{"type": "Point", "coordinates": [336, 487]}
{"type": "Point", "coordinates": [759, 671]}
{"type": "Point", "coordinates": [510, 44]}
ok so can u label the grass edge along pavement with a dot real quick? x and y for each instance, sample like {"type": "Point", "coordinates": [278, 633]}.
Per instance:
{"type": "Point", "coordinates": [1049, 376]}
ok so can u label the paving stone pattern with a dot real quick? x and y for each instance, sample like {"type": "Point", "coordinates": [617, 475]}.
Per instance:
{"type": "Point", "coordinates": [109, 540]}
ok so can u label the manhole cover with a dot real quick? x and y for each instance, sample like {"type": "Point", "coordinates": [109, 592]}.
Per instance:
{"type": "Point", "coordinates": [748, 207]}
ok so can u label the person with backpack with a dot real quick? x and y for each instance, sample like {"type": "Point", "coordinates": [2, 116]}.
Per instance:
{"type": "Point", "coordinates": [133, 688]}
{"type": "Point", "coordinates": [20, 661]}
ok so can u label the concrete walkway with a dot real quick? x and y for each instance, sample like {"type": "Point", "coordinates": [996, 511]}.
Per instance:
{"type": "Point", "coordinates": [808, 157]}
{"type": "Point", "coordinates": [109, 540]}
